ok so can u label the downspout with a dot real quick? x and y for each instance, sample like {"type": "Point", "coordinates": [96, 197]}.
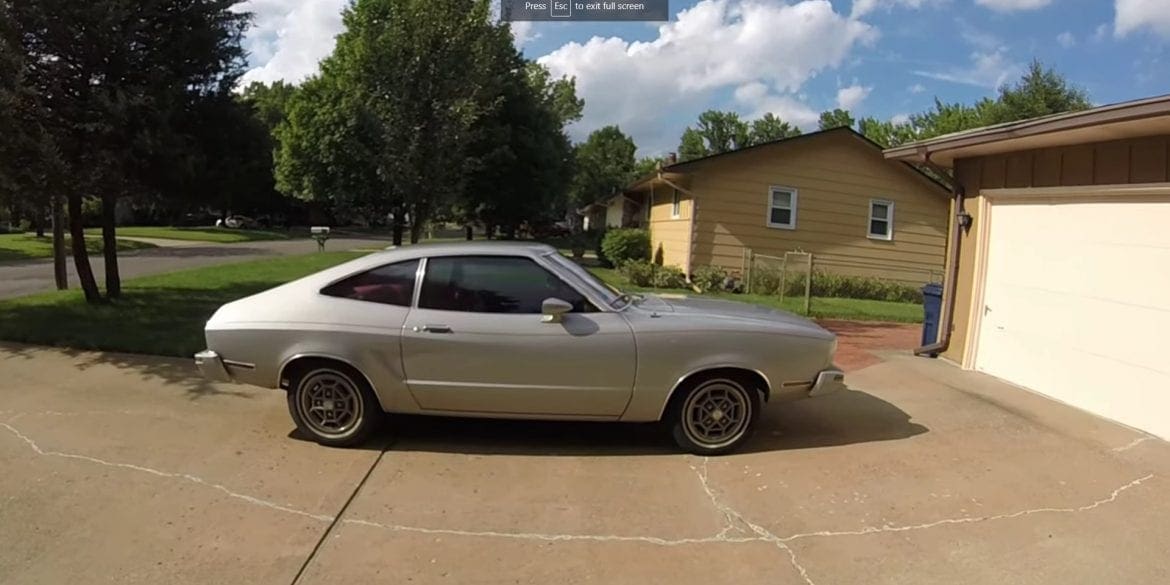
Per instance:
{"type": "Point", "coordinates": [961, 221]}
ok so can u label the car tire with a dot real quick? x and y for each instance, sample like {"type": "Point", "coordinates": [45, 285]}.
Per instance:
{"type": "Point", "coordinates": [333, 404]}
{"type": "Point", "coordinates": [713, 414]}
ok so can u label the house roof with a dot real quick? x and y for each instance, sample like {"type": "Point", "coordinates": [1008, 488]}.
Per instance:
{"type": "Point", "coordinates": [1133, 119]}
{"type": "Point", "coordinates": [682, 167]}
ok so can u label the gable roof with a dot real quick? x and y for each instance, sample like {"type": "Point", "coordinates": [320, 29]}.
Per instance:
{"type": "Point", "coordinates": [685, 166]}
{"type": "Point", "coordinates": [1132, 119]}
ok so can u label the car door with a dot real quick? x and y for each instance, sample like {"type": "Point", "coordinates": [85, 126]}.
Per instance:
{"type": "Point", "coordinates": [477, 343]}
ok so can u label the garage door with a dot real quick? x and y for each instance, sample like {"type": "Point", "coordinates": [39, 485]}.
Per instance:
{"type": "Point", "coordinates": [1077, 305]}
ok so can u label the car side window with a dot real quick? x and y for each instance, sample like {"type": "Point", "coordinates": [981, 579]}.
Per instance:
{"type": "Point", "coordinates": [493, 284]}
{"type": "Point", "coordinates": [392, 284]}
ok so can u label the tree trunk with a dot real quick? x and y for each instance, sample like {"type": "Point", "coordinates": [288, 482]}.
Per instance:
{"type": "Point", "coordinates": [487, 230]}
{"type": "Point", "coordinates": [59, 271]}
{"type": "Point", "coordinates": [467, 231]}
{"type": "Point", "coordinates": [416, 230]}
{"type": "Point", "coordinates": [397, 231]}
{"type": "Point", "coordinates": [110, 246]}
{"type": "Point", "coordinates": [80, 255]}
{"type": "Point", "coordinates": [38, 220]}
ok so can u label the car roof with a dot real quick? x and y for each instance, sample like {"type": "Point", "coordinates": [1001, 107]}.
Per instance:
{"type": "Point", "coordinates": [467, 248]}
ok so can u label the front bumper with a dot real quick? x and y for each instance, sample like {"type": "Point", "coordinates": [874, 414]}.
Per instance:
{"type": "Point", "coordinates": [211, 366]}
{"type": "Point", "coordinates": [828, 382]}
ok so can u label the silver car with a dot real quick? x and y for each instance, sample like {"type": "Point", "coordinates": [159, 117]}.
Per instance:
{"type": "Point", "coordinates": [511, 330]}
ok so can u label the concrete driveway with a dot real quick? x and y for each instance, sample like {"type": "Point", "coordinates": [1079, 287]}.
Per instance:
{"type": "Point", "coordinates": [126, 469]}
{"type": "Point", "coordinates": [28, 277]}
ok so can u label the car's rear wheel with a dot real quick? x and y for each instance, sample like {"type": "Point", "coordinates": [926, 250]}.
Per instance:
{"type": "Point", "coordinates": [333, 404]}
{"type": "Point", "coordinates": [713, 414]}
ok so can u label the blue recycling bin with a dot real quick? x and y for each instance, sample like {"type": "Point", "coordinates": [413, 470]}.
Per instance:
{"type": "Point", "coordinates": [932, 309]}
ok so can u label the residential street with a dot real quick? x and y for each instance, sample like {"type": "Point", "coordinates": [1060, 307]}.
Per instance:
{"type": "Point", "coordinates": [28, 277]}
{"type": "Point", "coordinates": [133, 469]}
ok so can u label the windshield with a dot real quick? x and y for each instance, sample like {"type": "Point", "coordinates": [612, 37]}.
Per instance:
{"type": "Point", "coordinates": [611, 295]}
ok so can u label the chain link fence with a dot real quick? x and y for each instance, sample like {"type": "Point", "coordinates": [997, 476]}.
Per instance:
{"type": "Point", "coordinates": [788, 275]}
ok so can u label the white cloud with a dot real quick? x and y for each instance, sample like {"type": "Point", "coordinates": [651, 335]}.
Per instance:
{"type": "Point", "coordinates": [863, 7]}
{"type": "Point", "coordinates": [987, 69]}
{"type": "Point", "coordinates": [714, 45]}
{"type": "Point", "coordinates": [756, 100]}
{"type": "Point", "coordinates": [916, 88]}
{"type": "Point", "coordinates": [1133, 15]}
{"type": "Point", "coordinates": [900, 119]}
{"type": "Point", "coordinates": [522, 32]}
{"type": "Point", "coordinates": [1066, 39]}
{"type": "Point", "coordinates": [850, 97]}
{"type": "Point", "coordinates": [289, 37]}
{"type": "Point", "coordinates": [1013, 5]}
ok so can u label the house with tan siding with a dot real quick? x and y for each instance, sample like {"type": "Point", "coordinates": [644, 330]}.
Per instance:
{"type": "Point", "coordinates": [829, 193]}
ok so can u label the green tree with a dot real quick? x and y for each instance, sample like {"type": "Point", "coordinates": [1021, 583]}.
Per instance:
{"type": "Point", "coordinates": [836, 118]}
{"type": "Point", "coordinates": [405, 87]}
{"type": "Point", "coordinates": [692, 145]}
{"type": "Point", "coordinates": [113, 77]}
{"type": "Point", "coordinates": [605, 165]}
{"type": "Point", "coordinates": [646, 165]}
{"type": "Point", "coordinates": [886, 133]}
{"type": "Point", "coordinates": [270, 101]}
{"type": "Point", "coordinates": [770, 128]}
{"type": "Point", "coordinates": [1039, 92]}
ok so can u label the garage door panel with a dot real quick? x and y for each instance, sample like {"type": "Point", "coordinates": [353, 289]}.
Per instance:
{"type": "Point", "coordinates": [1077, 303]}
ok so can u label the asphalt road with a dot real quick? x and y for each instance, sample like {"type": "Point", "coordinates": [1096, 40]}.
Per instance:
{"type": "Point", "coordinates": [131, 469]}
{"type": "Point", "coordinates": [28, 277]}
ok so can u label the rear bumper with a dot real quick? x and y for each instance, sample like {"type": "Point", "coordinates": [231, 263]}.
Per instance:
{"type": "Point", "coordinates": [828, 382]}
{"type": "Point", "coordinates": [211, 366]}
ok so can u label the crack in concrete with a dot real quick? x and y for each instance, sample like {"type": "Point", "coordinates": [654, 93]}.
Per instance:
{"type": "Point", "coordinates": [762, 534]}
{"type": "Point", "coordinates": [166, 474]}
{"type": "Point", "coordinates": [1131, 444]}
{"type": "Point", "coordinates": [734, 521]}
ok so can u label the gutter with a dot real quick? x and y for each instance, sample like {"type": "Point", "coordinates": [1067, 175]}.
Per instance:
{"type": "Point", "coordinates": [961, 221]}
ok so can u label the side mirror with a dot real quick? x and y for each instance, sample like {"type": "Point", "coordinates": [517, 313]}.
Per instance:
{"type": "Point", "coordinates": [553, 310]}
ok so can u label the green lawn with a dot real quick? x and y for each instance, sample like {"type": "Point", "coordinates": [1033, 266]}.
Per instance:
{"type": "Point", "coordinates": [29, 247]}
{"type": "Point", "coordinates": [165, 314]}
{"type": "Point", "coordinates": [208, 234]}
{"type": "Point", "coordinates": [819, 307]}
{"type": "Point", "coordinates": [162, 314]}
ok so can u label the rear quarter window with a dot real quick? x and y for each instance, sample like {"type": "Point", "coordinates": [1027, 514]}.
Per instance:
{"type": "Point", "coordinates": [392, 284]}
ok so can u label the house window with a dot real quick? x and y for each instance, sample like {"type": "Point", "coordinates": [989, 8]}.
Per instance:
{"type": "Point", "coordinates": [675, 205]}
{"type": "Point", "coordinates": [782, 208]}
{"type": "Point", "coordinates": [881, 219]}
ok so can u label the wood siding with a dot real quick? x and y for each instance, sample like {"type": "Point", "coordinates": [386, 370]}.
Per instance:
{"type": "Point", "coordinates": [670, 237]}
{"type": "Point", "coordinates": [1136, 161]}
{"type": "Point", "coordinates": [835, 177]}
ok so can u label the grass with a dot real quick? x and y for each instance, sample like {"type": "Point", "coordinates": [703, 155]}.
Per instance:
{"type": "Point", "coordinates": [204, 234]}
{"type": "Point", "coordinates": [162, 314]}
{"type": "Point", "coordinates": [819, 307]}
{"type": "Point", "coordinates": [29, 247]}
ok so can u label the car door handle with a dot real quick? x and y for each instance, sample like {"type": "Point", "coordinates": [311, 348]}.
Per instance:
{"type": "Point", "coordinates": [432, 329]}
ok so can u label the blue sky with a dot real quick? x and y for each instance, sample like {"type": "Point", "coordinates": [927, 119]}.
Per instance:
{"type": "Point", "coordinates": [881, 58]}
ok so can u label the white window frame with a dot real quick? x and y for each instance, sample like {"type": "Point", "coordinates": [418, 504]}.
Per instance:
{"type": "Point", "coordinates": [889, 219]}
{"type": "Point", "coordinates": [791, 225]}
{"type": "Point", "coordinates": [675, 204]}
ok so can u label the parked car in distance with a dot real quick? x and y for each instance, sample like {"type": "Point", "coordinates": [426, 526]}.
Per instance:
{"type": "Point", "coordinates": [511, 330]}
{"type": "Point", "coordinates": [237, 222]}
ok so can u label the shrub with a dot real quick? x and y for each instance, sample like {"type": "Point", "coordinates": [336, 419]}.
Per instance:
{"type": "Point", "coordinates": [619, 246]}
{"type": "Point", "coordinates": [647, 274]}
{"type": "Point", "coordinates": [709, 278]}
{"type": "Point", "coordinates": [639, 272]}
{"type": "Point", "coordinates": [765, 280]}
{"type": "Point", "coordinates": [853, 287]}
{"type": "Point", "coordinates": [668, 277]}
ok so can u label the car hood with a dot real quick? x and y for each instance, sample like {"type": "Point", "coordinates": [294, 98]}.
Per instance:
{"type": "Point", "coordinates": [722, 310]}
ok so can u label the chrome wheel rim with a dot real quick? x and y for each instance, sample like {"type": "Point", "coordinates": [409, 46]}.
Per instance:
{"type": "Point", "coordinates": [717, 413]}
{"type": "Point", "coordinates": [329, 403]}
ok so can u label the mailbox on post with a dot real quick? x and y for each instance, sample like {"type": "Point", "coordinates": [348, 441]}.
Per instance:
{"type": "Point", "coordinates": [321, 234]}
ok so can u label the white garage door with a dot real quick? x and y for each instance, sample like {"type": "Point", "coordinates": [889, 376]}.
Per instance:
{"type": "Point", "coordinates": [1077, 305]}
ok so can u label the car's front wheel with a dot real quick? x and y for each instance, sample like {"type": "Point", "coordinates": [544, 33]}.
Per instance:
{"type": "Point", "coordinates": [713, 414]}
{"type": "Point", "coordinates": [333, 404]}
